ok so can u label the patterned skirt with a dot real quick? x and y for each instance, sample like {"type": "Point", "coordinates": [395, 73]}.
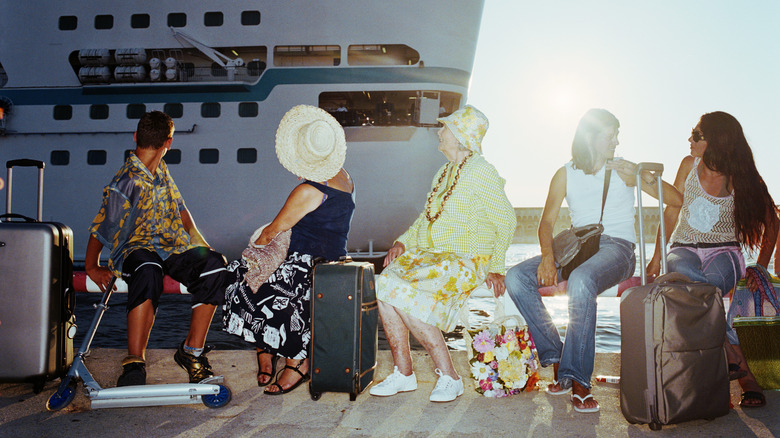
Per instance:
{"type": "Point", "coordinates": [277, 318]}
{"type": "Point", "coordinates": [432, 286]}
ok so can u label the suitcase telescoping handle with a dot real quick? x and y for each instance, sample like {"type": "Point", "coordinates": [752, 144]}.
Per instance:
{"type": "Point", "coordinates": [657, 169]}
{"type": "Point", "coordinates": [25, 163]}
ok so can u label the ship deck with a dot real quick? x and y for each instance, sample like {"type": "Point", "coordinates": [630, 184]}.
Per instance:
{"type": "Point", "coordinates": [251, 413]}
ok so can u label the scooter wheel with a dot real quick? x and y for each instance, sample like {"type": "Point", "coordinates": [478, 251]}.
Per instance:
{"type": "Point", "coordinates": [59, 400]}
{"type": "Point", "coordinates": [218, 400]}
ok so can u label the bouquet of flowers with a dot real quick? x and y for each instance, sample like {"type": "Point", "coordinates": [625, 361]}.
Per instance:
{"type": "Point", "coordinates": [503, 360]}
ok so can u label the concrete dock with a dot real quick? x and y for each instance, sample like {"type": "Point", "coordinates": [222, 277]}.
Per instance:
{"type": "Point", "coordinates": [252, 413]}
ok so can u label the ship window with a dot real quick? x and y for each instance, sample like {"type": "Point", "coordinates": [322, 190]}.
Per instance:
{"type": "Point", "coordinates": [175, 110]}
{"type": "Point", "coordinates": [250, 18]}
{"type": "Point", "coordinates": [177, 19]}
{"type": "Point", "coordinates": [60, 158]}
{"type": "Point", "coordinates": [292, 56]}
{"type": "Point", "coordinates": [382, 54]}
{"type": "Point", "coordinates": [247, 155]}
{"type": "Point", "coordinates": [68, 22]}
{"type": "Point", "coordinates": [98, 112]}
{"type": "Point", "coordinates": [209, 156]}
{"type": "Point", "coordinates": [254, 68]}
{"type": "Point", "coordinates": [173, 156]}
{"type": "Point", "coordinates": [210, 110]}
{"type": "Point", "coordinates": [217, 70]}
{"type": "Point", "coordinates": [135, 110]}
{"type": "Point", "coordinates": [211, 19]}
{"type": "Point", "coordinates": [389, 108]}
{"type": "Point", "coordinates": [104, 21]}
{"type": "Point", "coordinates": [96, 157]}
{"type": "Point", "coordinates": [63, 112]}
{"type": "Point", "coordinates": [139, 21]}
{"type": "Point", "coordinates": [247, 109]}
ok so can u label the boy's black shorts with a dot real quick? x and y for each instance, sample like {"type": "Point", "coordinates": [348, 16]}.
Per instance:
{"type": "Point", "coordinates": [200, 269]}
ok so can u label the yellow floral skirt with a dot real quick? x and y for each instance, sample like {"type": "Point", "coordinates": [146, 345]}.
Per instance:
{"type": "Point", "coordinates": [430, 285]}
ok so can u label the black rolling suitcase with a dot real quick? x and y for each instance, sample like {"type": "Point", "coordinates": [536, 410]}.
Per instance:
{"type": "Point", "coordinates": [672, 362]}
{"type": "Point", "coordinates": [344, 318]}
{"type": "Point", "coordinates": [37, 324]}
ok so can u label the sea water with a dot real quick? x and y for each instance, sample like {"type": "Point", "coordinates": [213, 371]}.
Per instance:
{"type": "Point", "coordinates": [172, 319]}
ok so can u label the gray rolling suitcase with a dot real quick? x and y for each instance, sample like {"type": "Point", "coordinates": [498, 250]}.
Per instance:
{"type": "Point", "coordinates": [344, 321]}
{"type": "Point", "coordinates": [36, 294]}
{"type": "Point", "coordinates": [672, 362]}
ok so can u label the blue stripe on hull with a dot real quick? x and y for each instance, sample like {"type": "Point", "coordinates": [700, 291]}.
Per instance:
{"type": "Point", "coordinates": [233, 92]}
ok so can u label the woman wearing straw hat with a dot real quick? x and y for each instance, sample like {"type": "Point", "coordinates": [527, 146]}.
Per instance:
{"type": "Point", "coordinates": [458, 242]}
{"type": "Point", "coordinates": [309, 143]}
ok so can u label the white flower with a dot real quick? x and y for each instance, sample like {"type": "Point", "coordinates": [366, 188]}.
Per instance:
{"type": "Point", "coordinates": [520, 382]}
{"type": "Point", "coordinates": [501, 353]}
{"type": "Point", "coordinates": [480, 370]}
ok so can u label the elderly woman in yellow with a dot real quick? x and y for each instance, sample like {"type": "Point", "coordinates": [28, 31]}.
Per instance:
{"type": "Point", "coordinates": [457, 243]}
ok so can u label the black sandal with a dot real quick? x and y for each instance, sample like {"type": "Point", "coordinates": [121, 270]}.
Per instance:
{"type": "Point", "coordinates": [304, 378]}
{"type": "Point", "coordinates": [261, 373]}
{"type": "Point", "coordinates": [735, 372]}
{"type": "Point", "coordinates": [755, 396]}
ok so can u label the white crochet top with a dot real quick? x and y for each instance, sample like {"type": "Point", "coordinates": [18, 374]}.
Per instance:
{"type": "Point", "coordinates": [704, 218]}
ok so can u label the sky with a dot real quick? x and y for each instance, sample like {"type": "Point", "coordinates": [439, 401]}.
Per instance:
{"type": "Point", "coordinates": [657, 65]}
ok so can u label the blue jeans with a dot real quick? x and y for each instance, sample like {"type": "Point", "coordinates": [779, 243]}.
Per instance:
{"type": "Point", "coordinates": [722, 267]}
{"type": "Point", "coordinates": [614, 262]}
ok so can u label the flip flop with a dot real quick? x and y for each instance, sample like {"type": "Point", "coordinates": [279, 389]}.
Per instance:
{"type": "Point", "coordinates": [752, 395]}
{"type": "Point", "coordinates": [563, 391]}
{"type": "Point", "coordinates": [582, 402]}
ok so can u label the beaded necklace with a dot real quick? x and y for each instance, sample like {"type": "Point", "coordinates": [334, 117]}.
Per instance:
{"type": "Point", "coordinates": [446, 195]}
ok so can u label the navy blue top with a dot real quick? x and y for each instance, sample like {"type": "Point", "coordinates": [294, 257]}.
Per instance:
{"type": "Point", "coordinates": [323, 232]}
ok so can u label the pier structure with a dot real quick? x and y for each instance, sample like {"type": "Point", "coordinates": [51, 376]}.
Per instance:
{"type": "Point", "coordinates": [528, 223]}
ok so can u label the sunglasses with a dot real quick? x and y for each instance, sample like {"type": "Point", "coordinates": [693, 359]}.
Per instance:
{"type": "Point", "coordinates": [696, 135]}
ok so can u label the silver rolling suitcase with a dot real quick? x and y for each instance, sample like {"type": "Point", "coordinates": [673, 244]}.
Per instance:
{"type": "Point", "coordinates": [36, 294]}
{"type": "Point", "coordinates": [672, 363]}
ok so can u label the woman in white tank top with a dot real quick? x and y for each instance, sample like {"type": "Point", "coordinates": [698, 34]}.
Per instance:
{"type": "Point", "coordinates": [581, 182]}
{"type": "Point", "coordinates": [726, 206]}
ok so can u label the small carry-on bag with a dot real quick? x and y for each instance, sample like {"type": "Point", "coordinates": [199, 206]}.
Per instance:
{"type": "Point", "coordinates": [344, 318]}
{"type": "Point", "coordinates": [36, 293]}
{"type": "Point", "coordinates": [672, 363]}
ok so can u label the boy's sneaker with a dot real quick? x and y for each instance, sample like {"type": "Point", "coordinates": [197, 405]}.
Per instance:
{"type": "Point", "coordinates": [197, 366]}
{"type": "Point", "coordinates": [134, 372]}
{"type": "Point", "coordinates": [394, 383]}
{"type": "Point", "coordinates": [447, 389]}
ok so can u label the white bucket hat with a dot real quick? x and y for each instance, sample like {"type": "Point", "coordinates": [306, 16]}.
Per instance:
{"type": "Point", "coordinates": [310, 143]}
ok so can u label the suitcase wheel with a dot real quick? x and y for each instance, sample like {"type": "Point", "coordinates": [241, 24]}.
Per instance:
{"type": "Point", "coordinates": [316, 395]}
{"type": "Point", "coordinates": [38, 384]}
{"type": "Point", "coordinates": [655, 426]}
{"type": "Point", "coordinates": [352, 396]}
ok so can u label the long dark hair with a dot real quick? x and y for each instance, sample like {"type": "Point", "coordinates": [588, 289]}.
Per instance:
{"type": "Point", "coordinates": [595, 121]}
{"type": "Point", "coordinates": [728, 152]}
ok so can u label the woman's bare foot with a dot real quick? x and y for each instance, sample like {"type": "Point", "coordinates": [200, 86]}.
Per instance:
{"type": "Point", "coordinates": [293, 374]}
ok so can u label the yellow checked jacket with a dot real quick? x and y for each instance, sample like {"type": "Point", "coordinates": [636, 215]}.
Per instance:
{"type": "Point", "coordinates": [477, 218]}
{"type": "Point", "coordinates": [140, 211]}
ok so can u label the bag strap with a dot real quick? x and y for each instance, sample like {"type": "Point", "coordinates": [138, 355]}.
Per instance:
{"type": "Point", "coordinates": [607, 177]}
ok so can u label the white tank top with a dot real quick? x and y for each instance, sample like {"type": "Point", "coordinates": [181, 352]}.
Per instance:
{"type": "Point", "coordinates": [704, 218]}
{"type": "Point", "coordinates": [583, 195]}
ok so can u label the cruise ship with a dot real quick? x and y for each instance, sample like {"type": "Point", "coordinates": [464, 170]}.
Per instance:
{"type": "Point", "coordinates": [76, 76]}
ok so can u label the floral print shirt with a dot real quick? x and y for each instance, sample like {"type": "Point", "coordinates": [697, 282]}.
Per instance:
{"type": "Point", "coordinates": [140, 211]}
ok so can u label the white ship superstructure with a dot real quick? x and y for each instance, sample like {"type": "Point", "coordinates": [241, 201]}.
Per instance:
{"type": "Point", "coordinates": [75, 77]}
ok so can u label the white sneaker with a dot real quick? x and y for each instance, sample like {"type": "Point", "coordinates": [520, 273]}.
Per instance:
{"type": "Point", "coordinates": [447, 389]}
{"type": "Point", "coordinates": [394, 383]}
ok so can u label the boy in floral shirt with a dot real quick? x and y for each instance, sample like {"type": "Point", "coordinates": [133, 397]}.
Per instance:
{"type": "Point", "coordinates": [150, 233]}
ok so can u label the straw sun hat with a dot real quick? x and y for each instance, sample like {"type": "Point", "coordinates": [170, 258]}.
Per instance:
{"type": "Point", "coordinates": [310, 143]}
